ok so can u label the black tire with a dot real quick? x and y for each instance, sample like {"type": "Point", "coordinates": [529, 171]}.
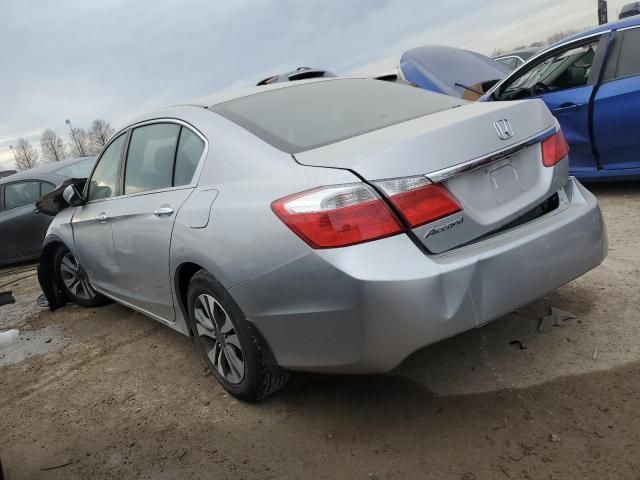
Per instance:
{"type": "Point", "coordinates": [80, 292]}
{"type": "Point", "coordinates": [259, 376]}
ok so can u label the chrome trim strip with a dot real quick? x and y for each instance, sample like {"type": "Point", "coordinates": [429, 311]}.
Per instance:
{"type": "Point", "coordinates": [632, 27]}
{"type": "Point", "coordinates": [449, 172]}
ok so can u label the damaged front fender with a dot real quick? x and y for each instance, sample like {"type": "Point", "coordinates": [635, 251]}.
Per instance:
{"type": "Point", "coordinates": [46, 274]}
{"type": "Point", "coordinates": [53, 203]}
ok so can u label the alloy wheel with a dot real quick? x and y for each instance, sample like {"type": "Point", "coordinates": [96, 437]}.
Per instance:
{"type": "Point", "coordinates": [219, 338]}
{"type": "Point", "coordinates": [75, 279]}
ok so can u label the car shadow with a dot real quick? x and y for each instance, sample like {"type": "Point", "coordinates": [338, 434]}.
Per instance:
{"type": "Point", "coordinates": [515, 351]}
{"type": "Point", "coordinates": [612, 188]}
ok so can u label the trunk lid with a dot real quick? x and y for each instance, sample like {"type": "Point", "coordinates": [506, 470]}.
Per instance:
{"type": "Point", "coordinates": [507, 180]}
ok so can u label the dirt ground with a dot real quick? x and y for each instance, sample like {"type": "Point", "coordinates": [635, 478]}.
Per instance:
{"type": "Point", "coordinates": [108, 393]}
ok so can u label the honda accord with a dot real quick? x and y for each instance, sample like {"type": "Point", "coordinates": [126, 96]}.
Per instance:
{"type": "Point", "coordinates": [330, 225]}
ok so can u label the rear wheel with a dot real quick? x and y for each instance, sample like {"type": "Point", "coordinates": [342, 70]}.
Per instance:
{"type": "Point", "coordinates": [231, 346]}
{"type": "Point", "coordinates": [73, 280]}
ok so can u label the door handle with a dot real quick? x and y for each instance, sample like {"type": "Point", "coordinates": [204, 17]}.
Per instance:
{"type": "Point", "coordinates": [102, 218]}
{"type": "Point", "coordinates": [163, 212]}
{"type": "Point", "coordinates": [568, 108]}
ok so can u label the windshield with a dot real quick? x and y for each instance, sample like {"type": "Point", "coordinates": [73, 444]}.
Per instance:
{"type": "Point", "coordinates": [311, 115]}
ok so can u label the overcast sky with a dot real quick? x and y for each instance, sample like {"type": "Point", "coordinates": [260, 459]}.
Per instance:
{"type": "Point", "coordinates": [114, 59]}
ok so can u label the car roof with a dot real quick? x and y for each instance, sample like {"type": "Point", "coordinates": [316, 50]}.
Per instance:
{"type": "Point", "coordinates": [218, 98]}
{"type": "Point", "coordinates": [42, 171]}
{"type": "Point", "coordinates": [617, 25]}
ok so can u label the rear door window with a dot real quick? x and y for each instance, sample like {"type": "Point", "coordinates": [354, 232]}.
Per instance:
{"type": "Point", "coordinates": [628, 63]}
{"type": "Point", "coordinates": [21, 193]}
{"type": "Point", "coordinates": [190, 150]}
{"type": "Point", "coordinates": [151, 158]}
{"type": "Point", "coordinates": [46, 187]}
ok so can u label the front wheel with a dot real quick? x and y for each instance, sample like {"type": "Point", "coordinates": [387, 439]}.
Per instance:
{"type": "Point", "coordinates": [73, 280]}
{"type": "Point", "coordinates": [232, 348]}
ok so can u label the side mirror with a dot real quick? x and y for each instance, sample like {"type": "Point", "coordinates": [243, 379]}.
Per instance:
{"type": "Point", "coordinates": [72, 196]}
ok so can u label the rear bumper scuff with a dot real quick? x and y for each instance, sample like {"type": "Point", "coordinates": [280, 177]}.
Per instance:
{"type": "Point", "coordinates": [363, 309]}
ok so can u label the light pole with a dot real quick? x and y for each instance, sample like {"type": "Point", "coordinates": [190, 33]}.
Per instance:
{"type": "Point", "coordinates": [603, 17]}
{"type": "Point", "coordinates": [75, 139]}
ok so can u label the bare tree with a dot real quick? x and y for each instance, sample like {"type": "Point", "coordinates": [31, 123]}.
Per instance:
{"type": "Point", "coordinates": [26, 156]}
{"type": "Point", "coordinates": [562, 34]}
{"type": "Point", "coordinates": [79, 143]}
{"type": "Point", "coordinates": [52, 146]}
{"type": "Point", "coordinates": [100, 133]}
{"type": "Point", "coordinates": [551, 39]}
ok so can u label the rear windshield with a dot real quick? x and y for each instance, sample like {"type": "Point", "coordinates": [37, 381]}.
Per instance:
{"type": "Point", "coordinates": [80, 169]}
{"type": "Point", "coordinates": [303, 117]}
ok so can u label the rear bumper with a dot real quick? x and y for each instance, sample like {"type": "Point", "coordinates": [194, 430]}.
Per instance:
{"type": "Point", "coordinates": [363, 309]}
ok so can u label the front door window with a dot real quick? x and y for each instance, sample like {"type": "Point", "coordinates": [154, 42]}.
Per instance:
{"type": "Point", "coordinates": [570, 68]}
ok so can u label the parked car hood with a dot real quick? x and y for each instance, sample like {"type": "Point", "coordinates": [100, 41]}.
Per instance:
{"type": "Point", "coordinates": [440, 69]}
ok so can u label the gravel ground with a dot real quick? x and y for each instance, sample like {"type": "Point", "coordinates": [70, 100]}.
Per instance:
{"type": "Point", "coordinates": [108, 393]}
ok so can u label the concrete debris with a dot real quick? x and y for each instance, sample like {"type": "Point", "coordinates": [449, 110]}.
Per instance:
{"type": "Point", "coordinates": [554, 318]}
{"type": "Point", "coordinates": [8, 337]}
{"type": "Point", "coordinates": [6, 298]}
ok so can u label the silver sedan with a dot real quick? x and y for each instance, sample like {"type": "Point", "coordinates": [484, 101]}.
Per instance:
{"type": "Point", "coordinates": [332, 225]}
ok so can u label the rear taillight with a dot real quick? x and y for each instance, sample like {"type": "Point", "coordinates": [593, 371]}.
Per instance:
{"type": "Point", "coordinates": [418, 200]}
{"type": "Point", "coordinates": [339, 216]}
{"type": "Point", "coordinates": [554, 149]}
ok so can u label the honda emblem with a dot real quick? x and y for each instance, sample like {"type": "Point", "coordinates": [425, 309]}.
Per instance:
{"type": "Point", "coordinates": [503, 127]}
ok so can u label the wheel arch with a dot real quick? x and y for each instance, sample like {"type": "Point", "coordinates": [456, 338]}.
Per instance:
{"type": "Point", "coordinates": [184, 274]}
{"type": "Point", "coordinates": [46, 275]}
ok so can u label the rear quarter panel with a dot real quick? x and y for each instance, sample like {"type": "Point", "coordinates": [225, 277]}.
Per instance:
{"type": "Point", "coordinates": [227, 226]}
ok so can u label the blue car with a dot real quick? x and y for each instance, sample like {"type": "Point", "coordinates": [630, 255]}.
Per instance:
{"type": "Point", "coordinates": [591, 83]}
{"type": "Point", "coordinates": [452, 71]}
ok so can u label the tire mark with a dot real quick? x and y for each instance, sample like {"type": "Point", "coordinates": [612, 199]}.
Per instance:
{"type": "Point", "coordinates": [77, 365]}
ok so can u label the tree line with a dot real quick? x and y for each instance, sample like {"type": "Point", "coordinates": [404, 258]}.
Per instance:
{"type": "Point", "coordinates": [81, 143]}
